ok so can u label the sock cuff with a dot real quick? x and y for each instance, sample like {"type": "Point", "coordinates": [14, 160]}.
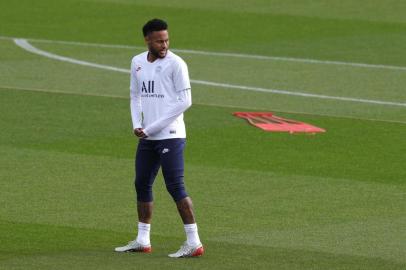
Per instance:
{"type": "Point", "coordinates": [190, 227]}
{"type": "Point", "coordinates": [144, 226]}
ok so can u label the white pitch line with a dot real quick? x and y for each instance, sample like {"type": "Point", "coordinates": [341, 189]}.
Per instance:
{"type": "Point", "coordinates": [24, 44]}
{"type": "Point", "coordinates": [28, 47]}
{"type": "Point", "coordinates": [291, 59]}
{"type": "Point", "coordinates": [301, 94]}
{"type": "Point", "coordinates": [222, 54]}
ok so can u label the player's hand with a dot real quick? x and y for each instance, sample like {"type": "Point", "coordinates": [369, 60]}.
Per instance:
{"type": "Point", "coordinates": [139, 132]}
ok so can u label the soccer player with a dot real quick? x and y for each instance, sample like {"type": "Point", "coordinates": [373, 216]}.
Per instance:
{"type": "Point", "coordinates": [160, 92]}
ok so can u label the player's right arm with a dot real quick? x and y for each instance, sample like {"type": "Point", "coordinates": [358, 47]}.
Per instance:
{"type": "Point", "coordinates": [183, 101]}
{"type": "Point", "coordinates": [135, 102]}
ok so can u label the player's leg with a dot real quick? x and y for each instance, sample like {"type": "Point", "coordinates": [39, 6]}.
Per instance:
{"type": "Point", "coordinates": [146, 168]}
{"type": "Point", "coordinates": [185, 209]}
{"type": "Point", "coordinates": [172, 163]}
{"type": "Point", "coordinates": [147, 162]}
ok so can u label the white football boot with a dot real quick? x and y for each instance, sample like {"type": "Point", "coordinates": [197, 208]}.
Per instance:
{"type": "Point", "coordinates": [134, 246]}
{"type": "Point", "coordinates": [188, 251]}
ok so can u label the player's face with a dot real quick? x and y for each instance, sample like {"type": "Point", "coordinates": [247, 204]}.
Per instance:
{"type": "Point", "coordinates": [158, 43]}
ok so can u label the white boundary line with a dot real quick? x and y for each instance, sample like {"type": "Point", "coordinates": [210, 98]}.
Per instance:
{"type": "Point", "coordinates": [64, 92]}
{"type": "Point", "coordinates": [222, 54]}
{"type": "Point", "coordinates": [24, 44]}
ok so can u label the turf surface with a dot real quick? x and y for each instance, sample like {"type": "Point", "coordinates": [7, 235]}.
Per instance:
{"type": "Point", "coordinates": [263, 200]}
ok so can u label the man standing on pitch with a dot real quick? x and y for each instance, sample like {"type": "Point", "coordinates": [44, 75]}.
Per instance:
{"type": "Point", "coordinates": [160, 93]}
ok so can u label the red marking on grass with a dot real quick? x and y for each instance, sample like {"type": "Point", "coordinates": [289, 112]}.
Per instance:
{"type": "Point", "coordinates": [270, 122]}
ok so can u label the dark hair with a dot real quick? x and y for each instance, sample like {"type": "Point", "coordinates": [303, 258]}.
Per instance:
{"type": "Point", "coordinates": [154, 25]}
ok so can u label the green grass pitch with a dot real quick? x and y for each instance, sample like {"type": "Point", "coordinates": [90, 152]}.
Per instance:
{"type": "Point", "coordinates": [263, 200]}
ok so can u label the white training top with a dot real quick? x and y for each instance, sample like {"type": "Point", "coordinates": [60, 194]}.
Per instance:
{"type": "Point", "coordinates": [160, 93]}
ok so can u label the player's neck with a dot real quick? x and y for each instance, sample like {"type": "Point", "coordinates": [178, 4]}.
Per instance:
{"type": "Point", "coordinates": [151, 58]}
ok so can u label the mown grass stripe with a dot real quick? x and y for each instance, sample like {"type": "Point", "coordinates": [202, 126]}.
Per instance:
{"type": "Point", "coordinates": [24, 44]}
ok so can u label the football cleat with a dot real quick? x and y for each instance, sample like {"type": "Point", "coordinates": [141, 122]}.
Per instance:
{"type": "Point", "coordinates": [188, 251]}
{"type": "Point", "coordinates": [134, 246]}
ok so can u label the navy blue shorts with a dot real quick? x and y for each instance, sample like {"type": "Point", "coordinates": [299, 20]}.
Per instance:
{"type": "Point", "coordinates": [153, 154]}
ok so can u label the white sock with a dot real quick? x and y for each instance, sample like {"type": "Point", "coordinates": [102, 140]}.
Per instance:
{"type": "Point", "coordinates": [192, 237]}
{"type": "Point", "coordinates": [143, 233]}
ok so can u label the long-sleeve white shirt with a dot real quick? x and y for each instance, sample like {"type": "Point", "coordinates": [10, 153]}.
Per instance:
{"type": "Point", "coordinates": [160, 93]}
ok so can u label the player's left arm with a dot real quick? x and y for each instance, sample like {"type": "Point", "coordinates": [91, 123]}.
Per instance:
{"type": "Point", "coordinates": [183, 100]}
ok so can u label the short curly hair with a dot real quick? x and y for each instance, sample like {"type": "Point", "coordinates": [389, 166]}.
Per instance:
{"type": "Point", "coordinates": [154, 25]}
